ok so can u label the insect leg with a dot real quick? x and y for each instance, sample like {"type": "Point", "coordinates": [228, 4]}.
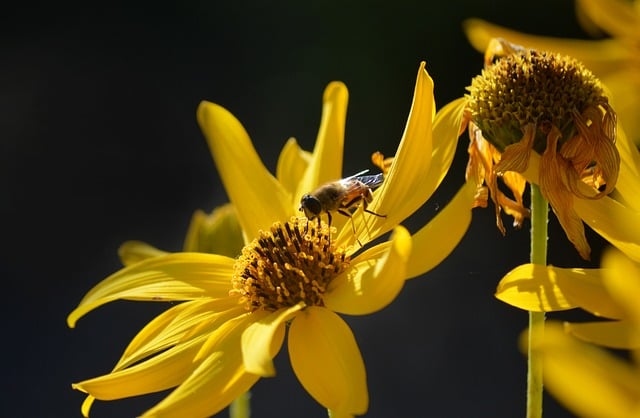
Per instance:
{"type": "Point", "coordinates": [353, 225]}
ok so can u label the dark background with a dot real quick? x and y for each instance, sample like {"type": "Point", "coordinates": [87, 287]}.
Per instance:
{"type": "Point", "coordinates": [99, 144]}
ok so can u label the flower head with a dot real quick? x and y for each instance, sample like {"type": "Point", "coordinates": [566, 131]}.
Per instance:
{"type": "Point", "coordinates": [292, 273]}
{"type": "Point", "coordinates": [529, 102]}
{"type": "Point", "coordinates": [615, 60]}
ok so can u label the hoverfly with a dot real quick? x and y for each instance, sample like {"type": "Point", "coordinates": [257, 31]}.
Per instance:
{"type": "Point", "coordinates": [342, 196]}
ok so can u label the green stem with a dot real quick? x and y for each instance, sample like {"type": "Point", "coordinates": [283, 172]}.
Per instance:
{"type": "Point", "coordinates": [539, 219]}
{"type": "Point", "coordinates": [241, 406]}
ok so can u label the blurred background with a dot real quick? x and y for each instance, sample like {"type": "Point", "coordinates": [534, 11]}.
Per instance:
{"type": "Point", "coordinates": [99, 144]}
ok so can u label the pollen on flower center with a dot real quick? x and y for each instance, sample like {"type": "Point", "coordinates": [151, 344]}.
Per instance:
{"type": "Point", "coordinates": [531, 87]}
{"type": "Point", "coordinates": [293, 262]}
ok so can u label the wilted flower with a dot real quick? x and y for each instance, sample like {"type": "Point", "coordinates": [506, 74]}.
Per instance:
{"type": "Point", "coordinates": [526, 103]}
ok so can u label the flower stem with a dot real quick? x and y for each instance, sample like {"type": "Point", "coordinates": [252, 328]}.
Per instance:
{"type": "Point", "coordinates": [241, 406]}
{"type": "Point", "coordinates": [539, 219]}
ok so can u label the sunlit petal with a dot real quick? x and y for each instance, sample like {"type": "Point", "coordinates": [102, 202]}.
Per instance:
{"type": "Point", "coordinates": [622, 280]}
{"type": "Point", "coordinates": [248, 183]}
{"type": "Point", "coordinates": [262, 340]}
{"type": "Point", "coordinates": [179, 276]}
{"type": "Point", "coordinates": [402, 191]}
{"type": "Point", "coordinates": [218, 379]}
{"type": "Point", "coordinates": [292, 164]}
{"type": "Point", "coordinates": [437, 239]}
{"type": "Point", "coordinates": [540, 288]}
{"type": "Point", "coordinates": [325, 357]}
{"type": "Point", "coordinates": [616, 17]}
{"type": "Point", "coordinates": [326, 162]}
{"type": "Point", "coordinates": [374, 278]}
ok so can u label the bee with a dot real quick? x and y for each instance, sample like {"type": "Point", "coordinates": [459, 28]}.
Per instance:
{"type": "Point", "coordinates": [342, 196]}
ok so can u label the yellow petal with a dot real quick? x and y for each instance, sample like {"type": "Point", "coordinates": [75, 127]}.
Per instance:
{"type": "Point", "coordinates": [437, 239]}
{"type": "Point", "coordinates": [262, 340]}
{"type": "Point", "coordinates": [613, 334]}
{"type": "Point", "coordinates": [616, 17]}
{"type": "Point", "coordinates": [179, 276]}
{"type": "Point", "coordinates": [215, 383]}
{"type": "Point", "coordinates": [587, 380]}
{"type": "Point", "coordinates": [402, 191]}
{"type": "Point", "coordinates": [325, 357]}
{"type": "Point", "coordinates": [163, 371]}
{"type": "Point", "coordinates": [258, 197]}
{"type": "Point", "coordinates": [131, 252]}
{"type": "Point", "coordinates": [326, 161]}
{"type": "Point", "coordinates": [628, 186]}
{"type": "Point", "coordinates": [622, 280]}
{"type": "Point", "coordinates": [539, 288]}
{"type": "Point", "coordinates": [179, 324]}
{"type": "Point", "coordinates": [217, 233]}
{"type": "Point", "coordinates": [373, 279]}
{"type": "Point", "coordinates": [292, 164]}
{"type": "Point", "coordinates": [600, 57]}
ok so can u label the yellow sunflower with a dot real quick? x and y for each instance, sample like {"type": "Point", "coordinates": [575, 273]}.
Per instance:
{"type": "Point", "coordinates": [541, 117]}
{"type": "Point", "coordinates": [590, 381]}
{"type": "Point", "coordinates": [292, 273]}
{"type": "Point", "coordinates": [615, 61]}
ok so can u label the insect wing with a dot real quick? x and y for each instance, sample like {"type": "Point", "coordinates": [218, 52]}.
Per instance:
{"type": "Point", "coordinates": [373, 181]}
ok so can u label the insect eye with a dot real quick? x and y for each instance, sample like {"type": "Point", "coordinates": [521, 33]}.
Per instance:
{"type": "Point", "coordinates": [310, 205]}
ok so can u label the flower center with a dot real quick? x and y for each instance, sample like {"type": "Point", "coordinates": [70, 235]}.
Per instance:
{"type": "Point", "coordinates": [527, 87]}
{"type": "Point", "coordinates": [293, 262]}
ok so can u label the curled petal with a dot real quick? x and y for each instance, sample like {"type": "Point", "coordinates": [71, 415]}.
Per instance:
{"type": "Point", "coordinates": [437, 239]}
{"type": "Point", "coordinates": [515, 157]}
{"type": "Point", "coordinates": [262, 340]}
{"type": "Point", "coordinates": [326, 359]}
{"type": "Point", "coordinates": [373, 279]}
{"type": "Point", "coordinates": [554, 171]}
{"type": "Point", "coordinates": [179, 276]}
{"type": "Point", "coordinates": [403, 191]}
{"type": "Point", "coordinates": [247, 181]}
{"type": "Point", "coordinates": [538, 288]}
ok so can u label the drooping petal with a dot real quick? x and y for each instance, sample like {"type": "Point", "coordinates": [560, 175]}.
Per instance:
{"type": "Point", "coordinates": [540, 288]}
{"type": "Point", "coordinates": [215, 382]}
{"type": "Point", "coordinates": [373, 279]}
{"type": "Point", "coordinates": [613, 334]}
{"type": "Point", "coordinates": [131, 252]}
{"type": "Point", "coordinates": [437, 239]}
{"type": "Point", "coordinates": [262, 340]}
{"type": "Point", "coordinates": [589, 381]}
{"type": "Point", "coordinates": [326, 161]}
{"type": "Point", "coordinates": [163, 371]}
{"type": "Point", "coordinates": [178, 276]}
{"type": "Point", "coordinates": [215, 233]}
{"type": "Point", "coordinates": [326, 358]}
{"type": "Point", "coordinates": [258, 197]}
{"type": "Point", "coordinates": [292, 164]}
{"type": "Point", "coordinates": [614, 221]}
